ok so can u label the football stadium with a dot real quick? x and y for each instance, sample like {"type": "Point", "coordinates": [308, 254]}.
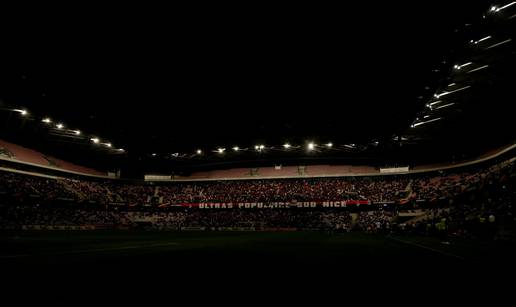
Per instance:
{"type": "Point", "coordinates": [254, 146]}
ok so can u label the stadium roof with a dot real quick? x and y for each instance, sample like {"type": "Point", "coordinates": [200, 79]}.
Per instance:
{"type": "Point", "coordinates": [194, 85]}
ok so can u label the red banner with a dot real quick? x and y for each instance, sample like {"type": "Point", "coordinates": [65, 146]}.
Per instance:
{"type": "Point", "coordinates": [275, 205]}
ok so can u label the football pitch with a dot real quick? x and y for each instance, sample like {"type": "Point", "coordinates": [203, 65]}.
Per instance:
{"type": "Point", "coordinates": [209, 250]}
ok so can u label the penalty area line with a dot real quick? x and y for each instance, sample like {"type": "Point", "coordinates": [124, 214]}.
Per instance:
{"type": "Point", "coordinates": [428, 248]}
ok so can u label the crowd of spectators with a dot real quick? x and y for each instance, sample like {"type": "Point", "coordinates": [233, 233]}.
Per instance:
{"type": "Point", "coordinates": [22, 187]}
{"type": "Point", "coordinates": [286, 190]}
{"type": "Point", "coordinates": [449, 185]}
{"type": "Point", "coordinates": [375, 189]}
{"type": "Point", "coordinates": [483, 210]}
{"type": "Point", "coordinates": [375, 221]}
{"type": "Point", "coordinates": [476, 199]}
{"type": "Point", "coordinates": [38, 215]}
{"type": "Point", "coordinates": [313, 189]}
{"type": "Point", "coordinates": [18, 216]}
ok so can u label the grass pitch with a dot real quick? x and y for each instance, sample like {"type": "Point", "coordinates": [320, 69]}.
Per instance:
{"type": "Point", "coordinates": [209, 249]}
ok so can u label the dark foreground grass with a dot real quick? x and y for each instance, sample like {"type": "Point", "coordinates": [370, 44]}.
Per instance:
{"type": "Point", "coordinates": [104, 260]}
{"type": "Point", "coordinates": [168, 249]}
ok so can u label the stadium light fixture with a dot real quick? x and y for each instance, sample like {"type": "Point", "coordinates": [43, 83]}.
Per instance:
{"type": "Point", "coordinates": [262, 147]}
{"type": "Point", "coordinates": [59, 126]}
{"type": "Point", "coordinates": [494, 8]}
{"type": "Point", "coordinates": [22, 112]}
{"type": "Point", "coordinates": [121, 149]}
{"type": "Point", "coordinates": [153, 154]}
{"type": "Point", "coordinates": [46, 120]}
{"type": "Point", "coordinates": [483, 39]}
{"type": "Point", "coordinates": [286, 145]}
{"type": "Point", "coordinates": [459, 67]}
{"type": "Point", "coordinates": [444, 106]}
{"type": "Point", "coordinates": [457, 90]}
{"type": "Point", "coordinates": [77, 132]}
{"type": "Point", "coordinates": [95, 140]}
{"type": "Point", "coordinates": [221, 150]}
{"type": "Point", "coordinates": [478, 68]}
{"type": "Point", "coordinates": [498, 44]}
{"type": "Point", "coordinates": [506, 6]}
{"type": "Point", "coordinates": [108, 144]}
{"type": "Point", "coordinates": [330, 145]}
{"type": "Point", "coordinates": [236, 148]}
{"type": "Point", "coordinates": [199, 151]}
{"type": "Point", "coordinates": [311, 146]}
{"type": "Point", "coordinates": [422, 123]}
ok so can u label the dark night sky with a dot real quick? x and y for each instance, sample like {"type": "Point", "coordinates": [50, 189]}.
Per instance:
{"type": "Point", "coordinates": [178, 80]}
